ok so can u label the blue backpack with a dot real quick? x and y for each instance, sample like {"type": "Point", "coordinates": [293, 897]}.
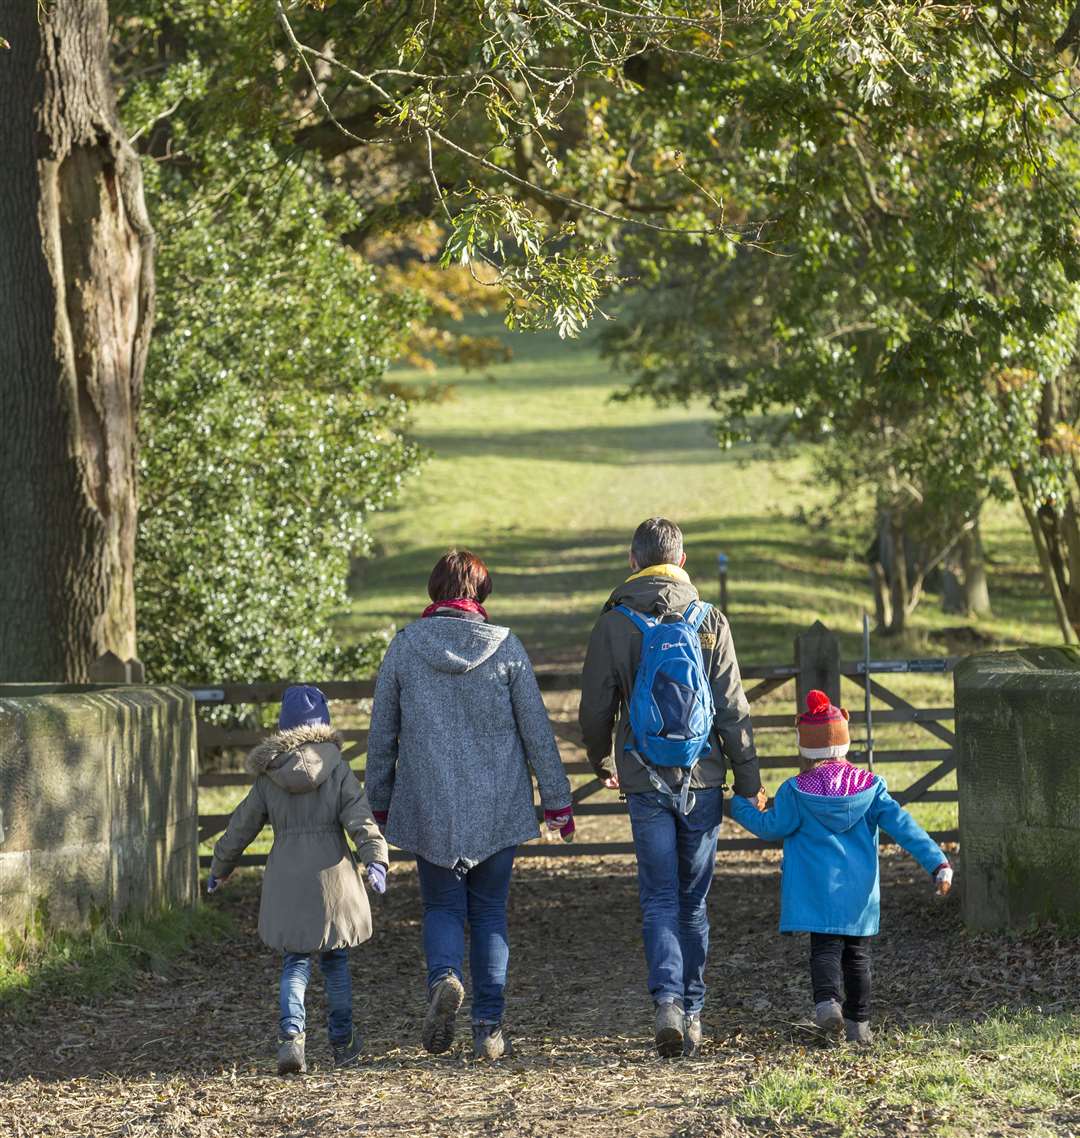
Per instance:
{"type": "Point", "coordinates": [671, 705]}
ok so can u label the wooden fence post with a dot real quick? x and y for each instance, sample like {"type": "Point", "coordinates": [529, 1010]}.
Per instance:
{"type": "Point", "coordinates": [817, 656]}
{"type": "Point", "coordinates": [110, 669]}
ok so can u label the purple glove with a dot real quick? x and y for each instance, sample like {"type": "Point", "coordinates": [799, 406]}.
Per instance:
{"type": "Point", "coordinates": [376, 877]}
{"type": "Point", "coordinates": [213, 884]}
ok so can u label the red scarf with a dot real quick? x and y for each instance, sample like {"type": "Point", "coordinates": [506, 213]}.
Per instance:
{"type": "Point", "coordinates": [462, 604]}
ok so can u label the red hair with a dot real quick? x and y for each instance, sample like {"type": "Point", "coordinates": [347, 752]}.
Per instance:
{"type": "Point", "coordinates": [459, 573]}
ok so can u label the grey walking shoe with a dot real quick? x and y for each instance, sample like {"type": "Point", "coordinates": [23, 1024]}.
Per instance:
{"type": "Point", "coordinates": [692, 1034]}
{"type": "Point", "coordinates": [346, 1054]}
{"type": "Point", "coordinates": [290, 1055]}
{"type": "Point", "coordinates": [858, 1032]}
{"type": "Point", "coordinates": [445, 999]}
{"type": "Point", "coordinates": [669, 1030]}
{"type": "Point", "coordinates": [490, 1041]}
{"type": "Point", "coordinates": [829, 1017]}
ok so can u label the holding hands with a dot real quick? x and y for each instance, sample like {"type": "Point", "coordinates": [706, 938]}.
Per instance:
{"type": "Point", "coordinates": [760, 799]}
{"type": "Point", "coordinates": [943, 876]}
{"type": "Point", "coordinates": [213, 884]}
{"type": "Point", "coordinates": [376, 876]}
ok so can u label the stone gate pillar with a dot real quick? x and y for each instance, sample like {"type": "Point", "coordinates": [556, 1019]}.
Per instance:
{"type": "Point", "coordinates": [1018, 768]}
{"type": "Point", "coordinates": [98, 803]}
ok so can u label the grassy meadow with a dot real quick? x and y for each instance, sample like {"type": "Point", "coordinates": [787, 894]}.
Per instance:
{"type": "Point", "coordinates": [535, 467]}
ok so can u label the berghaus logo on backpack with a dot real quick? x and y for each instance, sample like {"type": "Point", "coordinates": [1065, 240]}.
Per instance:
{"type": "Point", "coordinates": [671, 705]}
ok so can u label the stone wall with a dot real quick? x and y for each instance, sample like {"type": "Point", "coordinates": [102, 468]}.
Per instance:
{"type": "Point", "coordinates": [98, 803]}
{"type": "Point", "coordinates": [1018, 750]}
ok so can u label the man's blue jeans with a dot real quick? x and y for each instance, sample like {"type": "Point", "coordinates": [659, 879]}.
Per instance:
{"type": "Point", "coordinates": [676, 856]}
{"type": "Point", "coordinates": [295, 976]}
{"type": "Point", "coordinates": [477, 896]}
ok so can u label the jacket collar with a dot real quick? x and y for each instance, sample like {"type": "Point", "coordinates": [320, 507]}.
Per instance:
{"type": "Point", "coordinates": [676, 572]}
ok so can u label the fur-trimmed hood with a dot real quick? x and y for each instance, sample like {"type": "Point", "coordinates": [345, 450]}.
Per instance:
{"type": "Point", "coordinates": [300, 759]}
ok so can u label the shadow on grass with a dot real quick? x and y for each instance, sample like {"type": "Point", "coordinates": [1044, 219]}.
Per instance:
{"type": "Point", "coordinates": [50, 965]}
{"type": "Point", "coordinates": [571, 579]}
{"type": "Point", "coordinates": [669, 444]}
{"type": "Point", "coordinates": [782, 576]}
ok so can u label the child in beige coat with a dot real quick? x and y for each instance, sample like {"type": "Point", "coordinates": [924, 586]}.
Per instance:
{"type": "Point", "coordinates": [313, 899]}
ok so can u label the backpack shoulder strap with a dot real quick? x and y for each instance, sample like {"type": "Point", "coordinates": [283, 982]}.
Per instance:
{"type": "Point", "coordinates": [642, 621]}
{"type": "Point", "coordinates": [696, 613]}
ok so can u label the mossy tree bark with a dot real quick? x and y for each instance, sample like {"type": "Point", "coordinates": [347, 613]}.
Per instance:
{"type": "Point", "coordinates": [76, 308]}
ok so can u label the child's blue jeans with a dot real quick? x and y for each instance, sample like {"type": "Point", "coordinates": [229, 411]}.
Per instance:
{"type": "Point", "coordinates": [478, 898]}
{"type": "Point", "coordinates": [337, 981]}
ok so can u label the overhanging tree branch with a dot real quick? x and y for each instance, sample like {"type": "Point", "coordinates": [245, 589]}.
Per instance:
{"type": "Point", "coordinates": [1071, 35]}
{"type": "Point", "coordinates": [330, 139]}
{"type": "Point", "coordinates": [407, 113]}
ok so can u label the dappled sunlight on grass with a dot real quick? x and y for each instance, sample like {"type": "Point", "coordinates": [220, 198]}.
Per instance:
{"type": "Point", "coordinates": [543, 474]}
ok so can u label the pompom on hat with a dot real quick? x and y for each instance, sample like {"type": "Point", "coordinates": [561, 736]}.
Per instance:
{"type": "Point", "coordinates": [823, 728]}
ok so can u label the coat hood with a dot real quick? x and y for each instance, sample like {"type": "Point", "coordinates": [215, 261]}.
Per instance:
{"type": "Point", "coordinates": [449, 644]}
{"type": "Point", "coordinates": [838, 814]}
{"type": "Point", "coordinates": [662, 593]}
{"type": "Point", "coordinates": [300, 759]}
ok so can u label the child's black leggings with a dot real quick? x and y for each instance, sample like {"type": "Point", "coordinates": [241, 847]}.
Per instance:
{"type": "Point", "coordinates": [840, 971]}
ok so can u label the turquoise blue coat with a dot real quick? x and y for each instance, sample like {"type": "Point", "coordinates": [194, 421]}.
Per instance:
{"type": "Point", "coordinates": [830, 874]}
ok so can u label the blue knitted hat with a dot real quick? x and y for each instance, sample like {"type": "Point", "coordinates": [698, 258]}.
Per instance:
{"type": "Point", "coordinates": [303, 706]}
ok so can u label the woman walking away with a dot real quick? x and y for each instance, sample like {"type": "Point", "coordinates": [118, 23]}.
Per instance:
{"type": "Point", "coordinates": [457, 723]}
{"type": "Point", "coordinates": [313, 901]}
{"type": "Point", "coordinates": [828, 817]}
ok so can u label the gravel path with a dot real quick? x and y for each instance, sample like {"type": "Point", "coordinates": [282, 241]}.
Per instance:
{"type": "Point", "coordinates": [190, 1053]}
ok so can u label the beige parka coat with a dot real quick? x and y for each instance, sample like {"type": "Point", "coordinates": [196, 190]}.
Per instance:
{"type": "Point", "coordinates": [313, 898]}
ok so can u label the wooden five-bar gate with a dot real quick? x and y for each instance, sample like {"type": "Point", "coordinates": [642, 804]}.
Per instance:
{"type": "Point", "coordinates": [817, 664]}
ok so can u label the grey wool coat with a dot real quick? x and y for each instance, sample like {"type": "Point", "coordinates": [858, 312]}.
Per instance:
{"type": "Point", "coordinates": [457, 724]}
{"type": "Point", "coordinates": [313, 899]}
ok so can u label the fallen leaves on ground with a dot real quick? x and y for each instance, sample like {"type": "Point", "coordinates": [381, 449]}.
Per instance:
{"type": "Point", "coordinates": [190, 1053]}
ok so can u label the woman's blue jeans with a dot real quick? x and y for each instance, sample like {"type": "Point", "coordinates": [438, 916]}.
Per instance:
{"type": "Point", "coordinates": [295, 976]}
{"type": "Point", "coordinates": [676, 856]}
{"type": "Point", "coordinates": [476, 897]}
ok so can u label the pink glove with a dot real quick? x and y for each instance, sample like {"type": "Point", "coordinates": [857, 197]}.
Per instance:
{"type": "Point", "coordinates": [561, 820]}
{"type": "Point", "coordinates": [943, 876]}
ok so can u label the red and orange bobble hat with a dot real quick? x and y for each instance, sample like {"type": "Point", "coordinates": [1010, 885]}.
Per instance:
{"type": "Point", "coordinates": [822, 729]}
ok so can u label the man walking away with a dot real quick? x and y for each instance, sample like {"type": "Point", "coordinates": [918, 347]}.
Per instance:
{"type": "Point", "coordinates": [677, 726]}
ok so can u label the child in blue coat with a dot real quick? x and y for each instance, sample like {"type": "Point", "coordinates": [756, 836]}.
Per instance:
{"type": "Point", "coordinates": [828, 817]}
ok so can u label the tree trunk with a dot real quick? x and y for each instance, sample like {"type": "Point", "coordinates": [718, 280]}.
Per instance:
{"type": "Point", "coordinates": [76, 305]}
{"type": "Point", "coordinates": [952, 587]}
{"type": "Point", "coordinates": [976, 590]}
{"type": "Point", "coordinates": [879, 583]}
{"type": "Point", "coordinates": [1054, 585]}
{"type": "Point", "coordinates": [898, 575]}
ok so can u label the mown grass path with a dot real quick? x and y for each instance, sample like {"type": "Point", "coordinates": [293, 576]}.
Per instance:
{"type": "Point", "coordinates": [190, 1053]}
{"type": "Point", "coordinates": [539, 471]}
